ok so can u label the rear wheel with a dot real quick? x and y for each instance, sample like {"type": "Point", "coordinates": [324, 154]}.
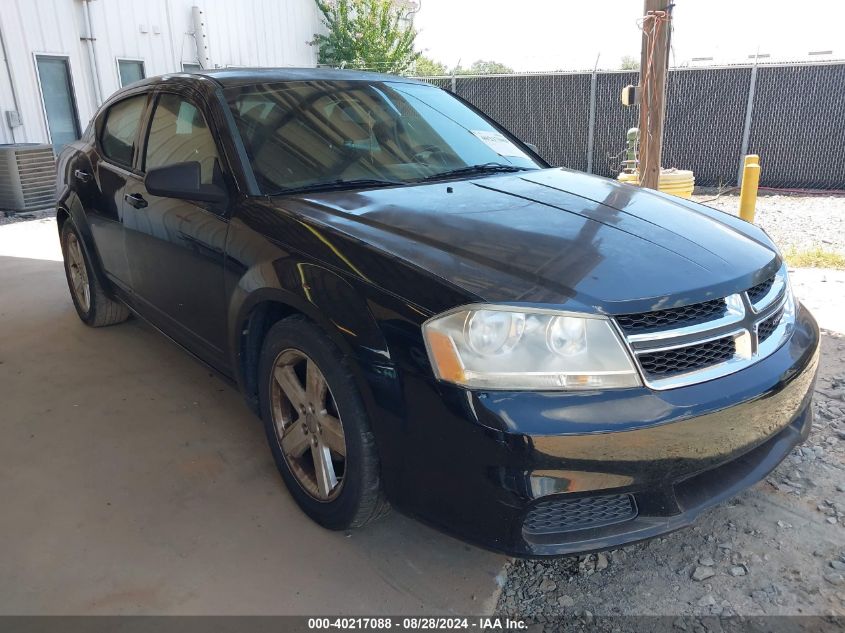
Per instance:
{"type": "Point", "coordinates": [92, 304]}
{"type": "Point", "coordinates": [317, 427]}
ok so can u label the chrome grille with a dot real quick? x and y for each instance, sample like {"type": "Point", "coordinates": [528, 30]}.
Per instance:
{"type": "Point", "coordinates": [756, 293]}
{"type": "Point", "coordinates": [691, 344]}
{"type": "Point", "coordinates": [687, 315]}
{"type": "Point", "coordinates": [768, 326]}
{"type": "Point", "coordinates": [674, 361]}
{"type": "Point", "coordinates": [554, 516]}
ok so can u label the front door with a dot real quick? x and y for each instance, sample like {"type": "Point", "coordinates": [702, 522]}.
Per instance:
{"type": "Point", "coordinates": [176, 247]}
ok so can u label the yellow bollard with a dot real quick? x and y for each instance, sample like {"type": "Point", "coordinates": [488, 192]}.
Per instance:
{"type": "Point", "coordinates": [750, 183]}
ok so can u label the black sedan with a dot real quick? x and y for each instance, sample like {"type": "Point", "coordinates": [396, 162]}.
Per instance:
{"type": "Point", "coordinates": [425, 314]}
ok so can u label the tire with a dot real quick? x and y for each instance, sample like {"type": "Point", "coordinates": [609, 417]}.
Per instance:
{"type": "Point", "coordinates": [289, 348]}
{"type": "Point", "coordinates": [94, 307]}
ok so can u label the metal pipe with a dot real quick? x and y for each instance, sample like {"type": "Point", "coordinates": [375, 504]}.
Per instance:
{"type": "Point", "coordinates": [92, 53]}
{"type": "Point", "coordinates": [591, 125]}
{"type": "Point", "coordinates": [177, 63]}
{"type": "Point", "coordinates": [200, 37]}
{"type": "Point", "coordinates": [11, 82]}
{"type": "Point", "coordinates": [749, 111]}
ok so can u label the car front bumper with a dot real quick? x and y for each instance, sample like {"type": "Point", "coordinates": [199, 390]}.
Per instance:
{"type": "Point", "coordinates": [481, 465]}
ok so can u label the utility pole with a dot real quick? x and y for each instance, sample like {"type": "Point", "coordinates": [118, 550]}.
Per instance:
{"type": "Point", "coordinates": [654, 64]}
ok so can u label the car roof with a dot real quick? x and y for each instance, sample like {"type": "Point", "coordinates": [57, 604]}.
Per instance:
{"type": "Point", "coordinates": [227, 77]}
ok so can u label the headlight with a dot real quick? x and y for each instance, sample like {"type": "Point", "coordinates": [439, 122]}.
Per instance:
{"type": "Point", "coordinates": [500, 347]}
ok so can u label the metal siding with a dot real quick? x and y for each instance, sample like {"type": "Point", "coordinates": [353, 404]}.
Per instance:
{"type": "Point", "coordinates": [6, 98]}
{"type": "Point", "coordinates": [37, 27]}
{"type": "Point", "coordinates": [257, 32]}
{"type": "Point", "coordinates": [242, 33]}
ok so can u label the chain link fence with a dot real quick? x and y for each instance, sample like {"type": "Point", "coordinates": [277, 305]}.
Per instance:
{"type": "Point", "coordinates": [796, 122]}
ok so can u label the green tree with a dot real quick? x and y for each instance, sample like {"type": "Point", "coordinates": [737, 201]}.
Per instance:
{"type": "Point", "coordinates": [629, 63]}
{"type": "Point", "coordinates": [427, 67]}
{"type": "Point", "coordinates": [483, 67]}
{"type": "Point", "coordinates": [366, 34]}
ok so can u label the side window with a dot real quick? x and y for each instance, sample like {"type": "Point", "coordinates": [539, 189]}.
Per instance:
{"type": "Point", "coordinates": [178, 134]}
{"type": "Point", "coordinates": [121, 129]}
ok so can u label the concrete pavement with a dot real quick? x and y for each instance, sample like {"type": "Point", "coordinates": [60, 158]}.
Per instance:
{"type": "Point", "coordinates": [132, 481]}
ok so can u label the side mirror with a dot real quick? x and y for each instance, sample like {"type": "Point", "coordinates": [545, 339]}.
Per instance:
{"type": "Point", "coordinates": [533, 147]}
{"type": "Point", "coordinates": [182, 180]}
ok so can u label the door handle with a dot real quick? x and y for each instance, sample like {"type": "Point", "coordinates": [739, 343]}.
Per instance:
{"type": "Point", "coordinates": [136, 200]}
{"type": "Point", "coordinates": [82, 176]}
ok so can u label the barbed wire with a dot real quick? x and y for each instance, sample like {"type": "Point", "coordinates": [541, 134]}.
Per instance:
{"type": "Point", "coordinates": [382, 66]}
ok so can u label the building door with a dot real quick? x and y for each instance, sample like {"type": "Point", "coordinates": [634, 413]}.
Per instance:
{"type": "Point", "coordinates": [59, 102]}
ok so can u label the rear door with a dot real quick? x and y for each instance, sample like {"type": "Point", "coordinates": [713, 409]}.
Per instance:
{"type": "Point", "coordinates": [100, 185]}
{"type": "Point", "coordinates": [175, 247]}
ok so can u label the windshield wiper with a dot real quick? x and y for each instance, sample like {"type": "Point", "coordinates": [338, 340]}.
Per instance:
{"type": "Point", "coordinates": [338, 185]}
{"type": "Point", "coordinates": [486, 168]}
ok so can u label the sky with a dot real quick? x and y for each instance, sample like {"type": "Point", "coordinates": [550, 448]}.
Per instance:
{"type": "Point", "coordinates": [544, 35]}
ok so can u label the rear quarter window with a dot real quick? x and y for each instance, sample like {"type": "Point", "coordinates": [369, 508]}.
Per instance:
{"type": "Point", "coordinates": [120, 129]}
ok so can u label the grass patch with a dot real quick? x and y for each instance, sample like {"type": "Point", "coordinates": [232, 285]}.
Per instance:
{"type": "Point", "coordinates": [814, 258]}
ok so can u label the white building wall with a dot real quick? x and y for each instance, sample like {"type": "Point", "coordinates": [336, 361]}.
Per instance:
{"type": "Point", "coordinates": [157, 32]}
{"type": "Point", "coordinates": [31, 27]}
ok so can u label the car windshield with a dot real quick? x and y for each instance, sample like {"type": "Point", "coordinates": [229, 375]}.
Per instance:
{"type": "Point", "coordinates": [324, 134]}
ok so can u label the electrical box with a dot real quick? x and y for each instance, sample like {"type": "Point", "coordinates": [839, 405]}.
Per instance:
{"type": "Point", "coordinates": [13, 118]}
{"type": "Point", "coordinates": [631, 95]}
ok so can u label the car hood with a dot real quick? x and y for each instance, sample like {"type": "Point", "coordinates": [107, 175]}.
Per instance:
{"type": "Point", "coordinates": [556, 236]}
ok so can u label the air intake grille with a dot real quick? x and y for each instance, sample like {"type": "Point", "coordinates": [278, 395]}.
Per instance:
{"type": "Point", "coordinates": [27, 177]}
{"type": "Point", "coordinates": [674, 317]}
{"type": "Point", "coordinates": [756, 293]}
{"type": "Point", "coordinates": [767, 327]}
{"type": "Point", "coordinates": [555, 516]}
{"type": "Point", "coordinates": [675, 361]}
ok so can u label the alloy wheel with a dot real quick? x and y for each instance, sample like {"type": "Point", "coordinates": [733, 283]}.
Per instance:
{"type": "Point", "coordinates": [78, 273]}
{"type": "Point", "coordinates": [308, 426]}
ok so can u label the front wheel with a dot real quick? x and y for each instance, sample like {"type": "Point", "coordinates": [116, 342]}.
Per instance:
{"type": "Point", "coordinates": [317, 427]}
{"type": "Point", "coordinates": [93, 306]}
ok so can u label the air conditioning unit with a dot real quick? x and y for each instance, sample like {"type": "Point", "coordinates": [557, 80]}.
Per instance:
{"type": "Point", "coordinates": [27, 177]}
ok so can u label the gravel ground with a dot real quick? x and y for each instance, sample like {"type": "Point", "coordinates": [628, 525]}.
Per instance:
{"type": "Point", "coordinates": [799, 222]}
{"type": "Point", "coordinates": [776, 549]}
